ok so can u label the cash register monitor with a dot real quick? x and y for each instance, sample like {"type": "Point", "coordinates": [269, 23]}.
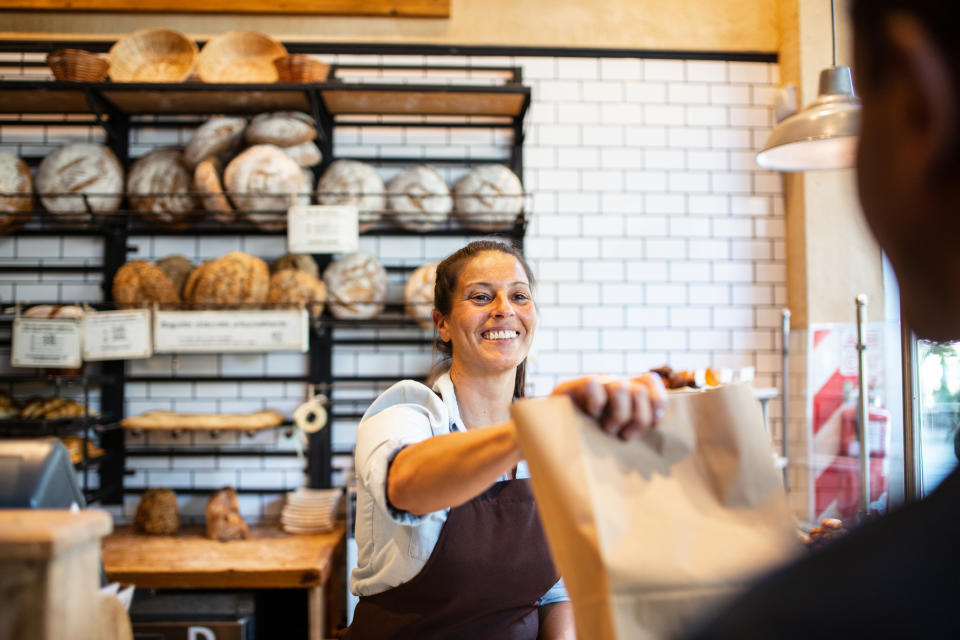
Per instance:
{"type": "Point", "coordinates": [37, 474]}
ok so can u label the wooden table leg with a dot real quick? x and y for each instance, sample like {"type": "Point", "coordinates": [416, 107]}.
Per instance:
{"type": "Point", "coordinates": [315, 602]}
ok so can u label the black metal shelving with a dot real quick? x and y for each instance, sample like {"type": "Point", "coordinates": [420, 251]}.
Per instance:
{"type": "Point", "coordinates": [119, 108]}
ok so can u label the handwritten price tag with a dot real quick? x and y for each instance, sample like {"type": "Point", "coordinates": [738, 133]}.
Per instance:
{"type": "Point", "coordinates": [117, 335]}
{"type": "Point", "coordinates": [46, 343]}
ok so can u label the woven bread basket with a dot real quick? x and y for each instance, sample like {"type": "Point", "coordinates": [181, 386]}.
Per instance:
{"type": "Point", "coordinates": [77, 65]}
{"type": "Point", "coordinates": [239, 56]}
{"type": "Point", "coordinates": [152, 55]}
{"type": "Point", "coordinates": [298, 67]}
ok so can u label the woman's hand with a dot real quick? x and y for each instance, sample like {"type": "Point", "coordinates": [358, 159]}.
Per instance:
{"type": "Point", "coordinates": [626, 408]}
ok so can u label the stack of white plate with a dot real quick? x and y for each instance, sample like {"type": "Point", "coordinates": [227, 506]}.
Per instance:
{"type": "Point", "coordinates": [310, 510]}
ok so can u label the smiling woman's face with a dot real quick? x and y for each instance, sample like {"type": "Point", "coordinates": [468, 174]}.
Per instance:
{"type": "Point", "coordinates": [493, 317]}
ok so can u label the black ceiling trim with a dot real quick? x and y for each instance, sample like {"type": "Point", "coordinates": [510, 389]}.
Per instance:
{"type": "Point", "coordinates": [360, 48]}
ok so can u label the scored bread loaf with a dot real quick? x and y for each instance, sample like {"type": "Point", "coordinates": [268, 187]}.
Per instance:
{"type": "Point", "coordinates": [207, 183]}
{"type": "Point", "coordinates": [488, 198]}
{"type": "Point", "coordinates": [140, 283]}
{"type": "Point", "coordinates": [177, 267]}
{"type": "Point", "coordinates": [263, 182]}
{"type": "Point", "coordinates": [222, 515]}
{"type": "Point", "coordinates": [418, 294]}
{"type": "Point", "coordinates": [299, 261]}
{"type": "Point", "coordinates": [419, 199]}
{"type": "Point", "coordinates": [160, 189]}
{"type": "Point", "coordinates": [157, 513]}
{"type": "Point", "coordinates": [16, 192]}
{"type": "Point", "coordinates": [356, 183]}
{"type": "Point", "coordinates": [236, 278]}
{"type": "Point", "coordinates": [289, 289]}
{"type": "Point", "coordinates": [281, 128]}
{"type": "Point", "coordinates": [218, 136]}
{"type": "Point", "coordinates": [76, 175]}
{"type": "Point", "coordinates": [356, 286]}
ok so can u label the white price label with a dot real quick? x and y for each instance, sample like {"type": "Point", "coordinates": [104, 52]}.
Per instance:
{"type": "Point", "coordinates": [46, 343]}
{"type": "Point", "coordinates": [322, 229]}
{"type": "Point", "coordinates": [230, 331]}
{"type": "Point", "coordinates": [117, 335]}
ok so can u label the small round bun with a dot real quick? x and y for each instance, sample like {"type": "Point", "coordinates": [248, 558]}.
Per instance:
{"type": "Point", "coordinates": [290, 289]}
{"type": "Point", "coordinates": [140, 283]}
{"type": "Point", "coordinates": [282, 128]}
{"type": "Point", "coordinates": [218, 136]}
{"type": "Point", "coordinates": [488, 198]}
{"type": "Point", "coordinates": [418, 294]}
{"type": "Point", "coordinates": [419, 199]}
{"type": "Point", "coordinates": [76, 170]}
{"type": "Point", "coordinates": [16, 192]}
{"type": "Point", "coordinates": [305, 154]}
{"type": "Point", "coordinates": [160, 189]}
{"type": "Point", "coordinates": [356, 183]}
{"type": "Point", "coordinates": [298, 261]}
{"type": "Point", "coordinates": [356, 286]}
{"type": "Point", "coordinates": [263, 182]}
{"type": "Point", "coordinates": [177, 267]}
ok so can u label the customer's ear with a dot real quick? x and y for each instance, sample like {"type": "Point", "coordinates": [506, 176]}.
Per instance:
{"type": "Point", "coordinates": [925, 96]}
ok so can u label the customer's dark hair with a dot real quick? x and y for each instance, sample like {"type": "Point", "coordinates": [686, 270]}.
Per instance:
{"type": "Point", "coordinates": [448, 272]}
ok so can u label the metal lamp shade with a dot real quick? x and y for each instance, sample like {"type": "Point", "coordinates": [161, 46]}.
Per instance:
{"type": "Point", "coordinates": [822, 136]}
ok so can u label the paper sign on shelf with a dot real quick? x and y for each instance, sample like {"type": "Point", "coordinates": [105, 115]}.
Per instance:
{"type": "Point", "coordinates": [230, 331]}
{"type": "Point", "coordinates": [46, 343]}
{"type": "Point", "coordinates": [322, 228]}
{"type": "Point", "coordinates": [116, 335]}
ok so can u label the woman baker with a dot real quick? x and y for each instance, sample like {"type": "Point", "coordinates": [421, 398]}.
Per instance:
{"type": "Point", "coordinates": [449, 540]}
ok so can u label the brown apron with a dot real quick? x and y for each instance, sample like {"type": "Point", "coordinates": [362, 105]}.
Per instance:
{"type": "Point", "coordinates": [484, 578]}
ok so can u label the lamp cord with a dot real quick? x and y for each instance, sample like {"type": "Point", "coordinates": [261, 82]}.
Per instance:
{"type": "Point", "coordinates": [833, 18]}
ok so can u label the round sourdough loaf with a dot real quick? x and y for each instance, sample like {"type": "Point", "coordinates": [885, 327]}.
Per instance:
{"type": "Point", "coordinates": [418, 294]}
{"type": "Point", "coordinates": [207, 183]}
{"type": "Point", "coordinates": [356, 183]}
{"type": "Point", "coordinates": [356, 286]}
{"type": "Point", "coordinates": [218, 136]}
{"type": "Point", "coordinates": [76, 175]}
{"type": "Point", "coordinates": [16, 192]}
{"type": "Point", "coordinates": [488, 198]}
{"type": "Point", "coordinates": [236, 278]}
{"type": "Point", "coordinates": [282, 128]}
{"type": "Point", "coordinates": [140, 283]}
{"type": "Point", "coordinates": [289, 289]}
{"type": "Point", "coordinates": [160, 189]}
{"type": "Point", "coordinates": [419, 199]}
{"type": "Point", "coordinates": [263, 182]}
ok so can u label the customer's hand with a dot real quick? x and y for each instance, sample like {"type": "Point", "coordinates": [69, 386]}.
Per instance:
{"type": "Point", "coordinates": [626, 408]}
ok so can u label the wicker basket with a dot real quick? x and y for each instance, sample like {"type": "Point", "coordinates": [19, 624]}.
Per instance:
{"type": "Point", "coordinates": [300, 68]}
{"type": "Point", "coordinates": [76, 65]}
{"type": "Point", "coordinates": [152, 55]}
{"type": "Point", "coordinates": [239, 56]}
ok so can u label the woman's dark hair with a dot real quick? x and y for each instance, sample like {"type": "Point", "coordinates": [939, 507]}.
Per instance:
{"type": "Point", "coordinates": [448, 272]}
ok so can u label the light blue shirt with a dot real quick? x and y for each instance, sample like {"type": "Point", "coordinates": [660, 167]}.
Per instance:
{"type": "Point", "coordinates": [393, 545]}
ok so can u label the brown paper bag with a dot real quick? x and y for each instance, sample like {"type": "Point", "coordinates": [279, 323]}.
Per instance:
{"type": "Point", "coordinates": [651, 534]}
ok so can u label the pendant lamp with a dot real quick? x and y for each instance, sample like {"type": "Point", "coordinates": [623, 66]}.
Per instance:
{"type": "Point", "coordinates": [824, 134]}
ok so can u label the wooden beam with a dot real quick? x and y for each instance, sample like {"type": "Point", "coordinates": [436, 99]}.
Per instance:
{"type": "Point", "coordinates": [383, 8]}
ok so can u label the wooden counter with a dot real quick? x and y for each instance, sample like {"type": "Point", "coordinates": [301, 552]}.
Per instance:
{"type": "Point", "coordinates": [269, 558]}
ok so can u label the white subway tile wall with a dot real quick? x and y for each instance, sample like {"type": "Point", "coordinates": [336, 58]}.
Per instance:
{"type": "Point", "coordinates": [655, 239]}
